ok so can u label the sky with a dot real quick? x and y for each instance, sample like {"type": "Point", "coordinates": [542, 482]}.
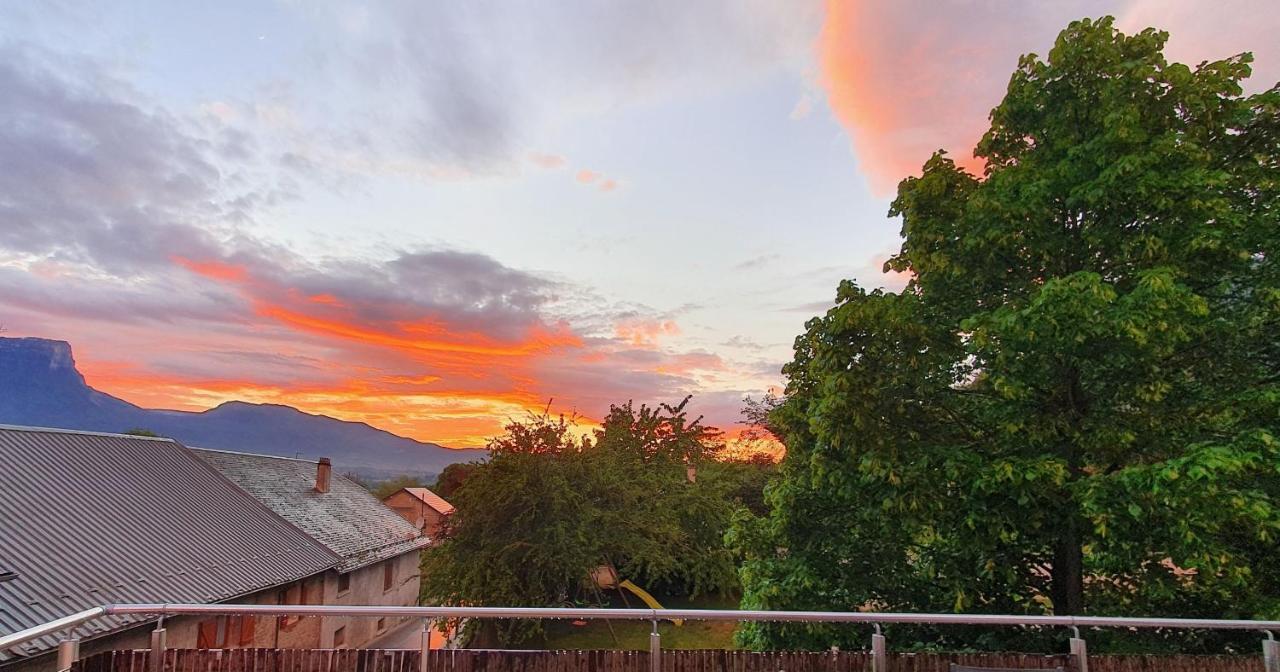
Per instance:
{"type": "Point", "coordinates": [438, 217]}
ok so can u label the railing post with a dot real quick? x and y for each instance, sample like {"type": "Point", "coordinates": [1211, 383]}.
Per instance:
{"type": "Point", "coordinates": [879, 652]}
{"type": "Point", "coordinates": [425, 646]}
{"type": "Point", "coordinates": [1270, 654]}
{"type": "Point", "coordinates": [156, 655]}
{"type": "Point", "coordinates": [68, 653]}
{"type": "Point", "coordinates": [655, 649]}
{"type": "Point", "coordinates": [1080, 651]}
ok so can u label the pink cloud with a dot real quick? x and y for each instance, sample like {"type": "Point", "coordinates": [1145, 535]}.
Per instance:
{"type": "Point", "coordinates": [645, 332]}
{"type": "Point", "coordinates": [548, 161]}
{"type": "Point", "coordinates": [908, 78]}
{"type": "Point", "coordinates": [587, 176]}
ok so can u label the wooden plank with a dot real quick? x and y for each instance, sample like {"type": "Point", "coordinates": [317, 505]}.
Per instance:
{"type": "Point", "coordinates": [329, 660]}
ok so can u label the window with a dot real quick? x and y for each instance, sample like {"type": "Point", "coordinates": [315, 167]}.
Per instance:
{"type": "Point", "coordinates": [382, 624]}
{"type": "Point", "coordinates": [340, 637]}
{"type": "Point", "coordinates": [388, 575]}
{"type": "Point", "coordinates": [344, 583]}
{"type": "Point", "coordinates": [209, 634]}
{"type": "Point", "coordinates": [248, 624]}
{"type": "Point", "coordinates": [231, 634]}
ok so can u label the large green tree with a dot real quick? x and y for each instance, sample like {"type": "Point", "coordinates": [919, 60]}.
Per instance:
{"type": "Point", "coordinates": [549, 507]}
{"type": "Point", "coordinates": [1074, 405]}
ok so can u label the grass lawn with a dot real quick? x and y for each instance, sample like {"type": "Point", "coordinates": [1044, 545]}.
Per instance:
{"type": "Point", "coordinates": [635, 634]}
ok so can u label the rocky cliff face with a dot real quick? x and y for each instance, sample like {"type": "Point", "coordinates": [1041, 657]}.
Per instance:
{"type": "Point", "coordinates": [40, 386]}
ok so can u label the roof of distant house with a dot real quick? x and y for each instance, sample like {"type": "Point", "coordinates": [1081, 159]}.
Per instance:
{"type": "Point", "coordinates": [431, 499]}
{"type": "Point", "coordinates": [90, 518]}
{"type": "Point", "coordinates": [347, 519]}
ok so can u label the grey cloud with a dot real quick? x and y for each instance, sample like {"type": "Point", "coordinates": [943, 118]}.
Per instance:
{"type": "Point", "coordinates": [165, 297]}
{"type": "Point", "coordinates": [756, 262]}
{"type": "Point", "coordinates": [88, 174]}
{"type": "Point", "coordinates": [92, 177]}
{"type": "Point", "coordinates": [484, 80]}
{"type": "Point", "coordinates": [744, 342]}
{"type": "Point", "coordinates": [812, 308]}
{"type": "Point", "coordinates": [467, 290]}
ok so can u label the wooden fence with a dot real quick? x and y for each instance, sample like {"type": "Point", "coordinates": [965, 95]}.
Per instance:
{"type": "Point", "coordinates": [373, 660]}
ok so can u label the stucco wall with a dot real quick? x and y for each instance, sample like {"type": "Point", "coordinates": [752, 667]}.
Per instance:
{"type": "Point", "coordinates": [415, 511]}
{"type": "Point", "coordinates": [366, 588]}
{"type": "Point", "coordinates": [182, 632]}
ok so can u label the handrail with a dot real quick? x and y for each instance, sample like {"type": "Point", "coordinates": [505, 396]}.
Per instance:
{"type": "Point", "coordinates": [36, 632]}
{"type": "Point", "coordinates": [867, 617]}
{"type": "Point", "coordinates": [692, 614]}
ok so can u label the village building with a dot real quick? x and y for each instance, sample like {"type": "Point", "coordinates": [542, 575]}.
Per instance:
{"type": "Point", "coordinates": [89, 519]}
{"type": "Point", "coordinates": [378, 550]}
{"type": "Point", "coordinates": [425, 509]}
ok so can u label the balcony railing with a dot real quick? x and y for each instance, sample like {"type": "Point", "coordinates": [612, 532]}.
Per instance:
{"type": "Point", "coordinates": [69, 647]}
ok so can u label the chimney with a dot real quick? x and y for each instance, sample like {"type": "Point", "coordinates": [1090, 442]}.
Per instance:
{"type": "Point", "coordinates": [323, 470]}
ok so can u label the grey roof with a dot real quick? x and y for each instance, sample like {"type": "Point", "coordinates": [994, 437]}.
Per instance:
{"type": "Point", "coordinates": [88, 519]}
{"type": "Point", "coordinates": [348, 519]}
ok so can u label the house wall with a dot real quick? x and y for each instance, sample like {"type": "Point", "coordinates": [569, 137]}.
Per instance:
{"type": "Point", "coordinates": [367, 588]}
{"type": "Point", "coordinates": [415, 511]}
{"type": "Point", "coordinates": [183, 632]}
{"type": "Point", "coordinates": [409, 507]}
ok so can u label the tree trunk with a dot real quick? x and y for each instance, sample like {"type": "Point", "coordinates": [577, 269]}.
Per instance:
{"type": "Point", "coordinates": [1067, 585]}
{"type": "Point", "coordinates": [1067, 576]}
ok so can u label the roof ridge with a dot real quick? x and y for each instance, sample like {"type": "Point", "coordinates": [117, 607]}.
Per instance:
{"type": "Point", "coordinates": [241, 452]}
{"type": "Point", "coordinates": [85, 432]}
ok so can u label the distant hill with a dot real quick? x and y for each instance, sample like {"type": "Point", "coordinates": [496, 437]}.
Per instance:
{"type": "Point", "coordinates": [40, 386]}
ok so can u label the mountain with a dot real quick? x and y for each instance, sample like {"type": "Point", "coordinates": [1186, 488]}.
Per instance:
{"type": "Point", "coordinates": [40, 386]}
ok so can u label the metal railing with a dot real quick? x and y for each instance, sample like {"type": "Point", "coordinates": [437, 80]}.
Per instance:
{"type": "Point", "coordinates": [69, 648]}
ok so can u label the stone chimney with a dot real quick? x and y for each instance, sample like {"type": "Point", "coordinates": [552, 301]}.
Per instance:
{"type": "Point", "coordinates": [324, 470]}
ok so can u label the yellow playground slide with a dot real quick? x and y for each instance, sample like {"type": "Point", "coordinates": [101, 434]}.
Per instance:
{"type": "Point", "coordinates": [645, 597]}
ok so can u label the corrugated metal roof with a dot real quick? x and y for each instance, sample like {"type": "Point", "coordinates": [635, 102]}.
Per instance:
{"type": "Point", "coordinates": [348, 519]}
{"type": "Point", "coordinates": [88, 519]}
{"type": "Point", "coordinates": [431, 499]}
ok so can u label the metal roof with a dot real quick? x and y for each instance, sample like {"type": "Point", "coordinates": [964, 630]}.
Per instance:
{"type": "Point", "coordinates": [89, 518]}
{"type": "Point", "coordinates": [348, 519]}
{"type": "Point", "coordinates": [431, 499]}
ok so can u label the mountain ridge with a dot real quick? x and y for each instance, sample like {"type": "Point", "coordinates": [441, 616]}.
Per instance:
{"type": "Point", "coordinates": [41, 386]}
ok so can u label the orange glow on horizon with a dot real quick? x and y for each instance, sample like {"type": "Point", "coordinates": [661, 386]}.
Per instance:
{"type": "Point", "coordinates": [407, 371]}
{"type": "Point", "coordinates": [539, 340]}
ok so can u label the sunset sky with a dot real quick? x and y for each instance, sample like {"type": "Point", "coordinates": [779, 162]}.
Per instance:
{"type": "Point", "coordinates": [433, 216]}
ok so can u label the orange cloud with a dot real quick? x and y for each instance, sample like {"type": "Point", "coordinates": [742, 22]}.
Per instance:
{"type": "Point", "coordinates": [910, 77]}
{"type": "Point", "coordinates": [473, 343]}
{"type": "Point", "coordinates": [548, 161]}
{"type": "Point", "coordinates": [903, 86]}
{"type": "Point", "coordinates": [587, 176]}
{"type": "Point", "coordinates": [213, 269]}
{"type": "Point", "coordinates": [645, 333]}
{"type": "Point", "coordinates": [449, 361]}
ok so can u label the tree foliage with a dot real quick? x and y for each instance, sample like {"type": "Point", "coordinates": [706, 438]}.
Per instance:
{"type": "Point", "coordinates": [549, 507]}
{"type": "Point", "coordinates": [452, 478]}
{"type": "Point", "coordinates": [1074, 405]}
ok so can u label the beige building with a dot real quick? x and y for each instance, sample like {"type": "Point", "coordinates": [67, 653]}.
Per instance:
{"type": "Point", "coordinates": [425, 509]}
{"type": "Point", "coordinates": [165, 526]}
{"type": "Point", "coordinates": [173, 524]}
{"type": "Point", "coordinates": [378, 550]}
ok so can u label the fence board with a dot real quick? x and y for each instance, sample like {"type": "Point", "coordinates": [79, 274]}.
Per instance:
{"type": "Point", "coordinates": [345, 660]}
